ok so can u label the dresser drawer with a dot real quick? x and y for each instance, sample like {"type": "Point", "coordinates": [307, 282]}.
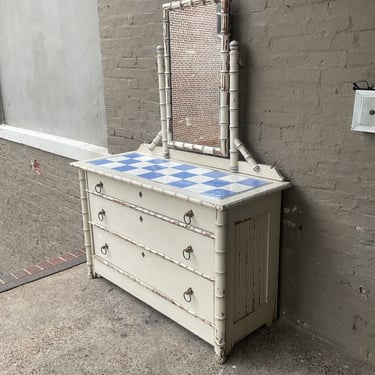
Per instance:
{"type": "Point", "coordinates": [185, 246]}
{"type": "Point", "coordinates": [204, 217]}
{"type": "Point", "coordinates": [181, 286]}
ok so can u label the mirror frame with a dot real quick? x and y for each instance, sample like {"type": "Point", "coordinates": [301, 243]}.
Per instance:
{"type": "Point", "coordinates": [223, 117]}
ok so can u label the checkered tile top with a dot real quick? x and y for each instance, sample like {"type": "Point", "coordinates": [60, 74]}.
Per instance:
{"type": "Point", "coordinates": [190, 177]}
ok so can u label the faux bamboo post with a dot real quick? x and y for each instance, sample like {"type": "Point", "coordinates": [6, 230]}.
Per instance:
{"type": "Point", "coordinates": [167, 74]}
{"type": "Point", "coordinates": [220, 285]}
{"type": "Point", "coordinates": [224, 77]}
{"type": "Point", "coordinates": [85, 219]}
{"type": "Point", "coordinates": [233, 103]}
{"type": "Point", "coordinates": [162, 97]}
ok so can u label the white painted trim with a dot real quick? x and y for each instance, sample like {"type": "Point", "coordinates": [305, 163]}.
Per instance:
{"type": "Point", "coordinates": [62, 146]}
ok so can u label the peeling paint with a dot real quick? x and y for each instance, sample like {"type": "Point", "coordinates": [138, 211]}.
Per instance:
{"type": "Point", "coordinates": [364, 292]}
{"type": "Point", "coordinates": [358, 324]}
{"type": "Point", "coordinates": [35, 166]}
{"type": "Point", "coordinates": [289, 223]}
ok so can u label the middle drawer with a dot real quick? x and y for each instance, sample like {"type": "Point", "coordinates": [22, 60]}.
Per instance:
{"type": "Point", "coordinates": [190, 248]}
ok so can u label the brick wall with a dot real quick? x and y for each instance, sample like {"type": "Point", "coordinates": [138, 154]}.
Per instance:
{"type": "Point", "coordinates": [300, 59]}
{"type": "Point", "coordinates": [130, 31]}
{"type": "Point", "coordinates": [39, 214]}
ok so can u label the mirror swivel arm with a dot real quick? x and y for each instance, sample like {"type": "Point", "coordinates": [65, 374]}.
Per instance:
{"type": "Point", "coordinates": [246, 154]}
{"type": "Point", "coordinates": [155, 141]}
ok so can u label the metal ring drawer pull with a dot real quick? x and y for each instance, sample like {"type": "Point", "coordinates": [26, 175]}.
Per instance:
{"type": "Point", "coordinates": [186, 253]}
{"type": "Point", "coordinates": [187, 217]}
{"type": "Point", "coordinates": [187, 295]}
{"type": "Point", "coordinates": [104, 249]}
{"type": "Point", "coordinates": [101, 215]}
{"type": "Point", "coordinates": [99, 187]}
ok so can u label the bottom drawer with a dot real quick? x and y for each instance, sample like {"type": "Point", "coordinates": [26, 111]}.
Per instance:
{"type": "Point", "coordinates": [181, 287]}
{"type": "Point", "coordinates": [193, 324]}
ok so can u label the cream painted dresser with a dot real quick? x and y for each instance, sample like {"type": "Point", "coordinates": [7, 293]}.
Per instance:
{"type": "Point", "coordinates": [192, 240]}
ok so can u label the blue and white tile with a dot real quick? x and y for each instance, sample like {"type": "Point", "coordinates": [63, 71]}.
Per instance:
{"type": "Point", "coordinates": [119, 158]}
{"type": "Point", "coordinates": [200, 171]}
{"type": "Point", "coordinates": [166, 180]}
{"type": "Point", "coordinates": [142, 164]}
{"type": "Point", "coordinates": [199, 179]}
{"type": "Point", "coordinates": [150, 175]}
{"type": "Point", "coordinates": [138, 171]}
{"type": "Point", "coordinates": [199, 189]}
{"type": "Point", "coordinates": [112, 165]}
{"type": "Point", "coordinates": [183, 184]}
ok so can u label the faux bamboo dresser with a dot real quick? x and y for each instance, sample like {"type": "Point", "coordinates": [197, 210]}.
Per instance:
{"type": "Point", "coordinates": [195, 242]}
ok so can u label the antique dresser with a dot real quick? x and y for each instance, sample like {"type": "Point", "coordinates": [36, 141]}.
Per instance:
{"type": "Point", "coordinates": [187, 227]}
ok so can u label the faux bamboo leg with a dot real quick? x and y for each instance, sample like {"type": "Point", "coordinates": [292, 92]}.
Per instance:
{"type": "Point", "coordinates": [220, 285]}
{"type": "Point", "coordinates": [85, 219]}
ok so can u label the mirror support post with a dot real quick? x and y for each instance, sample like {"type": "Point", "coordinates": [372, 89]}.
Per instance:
{"type": "Point", "coordinates": [234, 70]}
{"type": "Point", "coordinates": [234, 143]}
{"type": "Point", "coordinates": [162, 97]}
{"type": "Point", "coordinates": [224, 77]}
{"type": "Point", "coordinates": [167, 73]}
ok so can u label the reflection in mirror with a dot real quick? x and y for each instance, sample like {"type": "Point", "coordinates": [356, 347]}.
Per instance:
{"type": "Point", "coordinates": [194, 41]}
{"type": "Point", "coordinates": [195, 68]}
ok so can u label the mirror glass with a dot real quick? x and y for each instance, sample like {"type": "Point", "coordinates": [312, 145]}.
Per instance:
{"type": "Point", "coordinates": [195, 62]}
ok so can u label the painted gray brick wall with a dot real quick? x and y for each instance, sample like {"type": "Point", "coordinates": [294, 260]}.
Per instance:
{"type": "Point", "coordinates": [130, 31]}
{"type": "Point", "coordinates": [40, 215]}
{"type": "Point", "coordinates": [300, 59]}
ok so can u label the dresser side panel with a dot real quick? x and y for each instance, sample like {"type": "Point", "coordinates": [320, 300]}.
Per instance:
{"type": "Point", "coordinates": [253, 258]}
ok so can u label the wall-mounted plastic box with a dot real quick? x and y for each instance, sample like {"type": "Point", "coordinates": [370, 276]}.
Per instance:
{"type": "Point", "coordinates": [364, 111]}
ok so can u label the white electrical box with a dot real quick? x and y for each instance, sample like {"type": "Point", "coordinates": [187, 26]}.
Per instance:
{"type": "Point", "coordinates": [364, 111]}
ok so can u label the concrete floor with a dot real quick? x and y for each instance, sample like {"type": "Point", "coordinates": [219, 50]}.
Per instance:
{"type": "Point", "coordinates": [68, 324]}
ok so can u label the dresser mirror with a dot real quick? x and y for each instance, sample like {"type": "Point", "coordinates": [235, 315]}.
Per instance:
{"type": "Point", "coordinates": [196, 47]}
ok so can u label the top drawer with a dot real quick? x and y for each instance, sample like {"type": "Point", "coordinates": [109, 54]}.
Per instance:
{"type": "Point", "coordinates": [178, 209]}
